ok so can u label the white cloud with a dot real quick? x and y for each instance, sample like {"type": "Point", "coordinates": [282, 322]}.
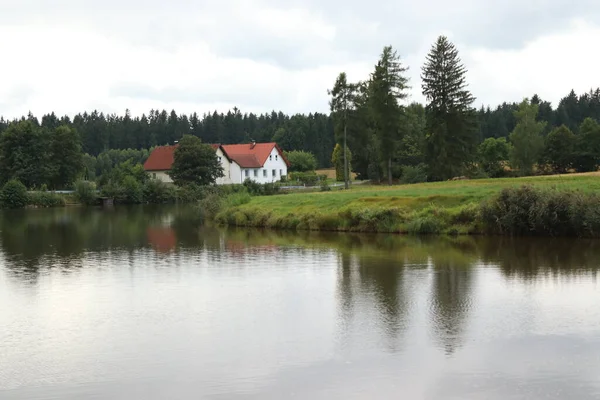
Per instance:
{"type": "Point", "coordinates": [259, 57]}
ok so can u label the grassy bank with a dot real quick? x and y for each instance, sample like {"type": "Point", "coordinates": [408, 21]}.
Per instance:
{"type": "Point", "coordinates": [458, 207]}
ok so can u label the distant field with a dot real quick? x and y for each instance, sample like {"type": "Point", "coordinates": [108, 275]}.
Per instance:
{"type": "Point", "coordinates": [330, 172]}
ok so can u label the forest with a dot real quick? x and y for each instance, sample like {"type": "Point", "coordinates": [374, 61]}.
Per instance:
{"type": "Point", "coordinates": [387, 136]}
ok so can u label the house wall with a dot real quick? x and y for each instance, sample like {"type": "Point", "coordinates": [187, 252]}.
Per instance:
{"type": "Point", "coordinates": [274, 162]}
{"type": "Point", "coordinates": [161, 175]}
{"type": "Point", "coordinates": [227, 179]}
{"type": "Point", "coordinates": [236, 173]}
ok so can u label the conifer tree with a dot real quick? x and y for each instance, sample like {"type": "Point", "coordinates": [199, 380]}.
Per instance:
{"type": "Point", "coordinates": [387, 87]}
{"type": "Point", "coordinates": [451, 120]}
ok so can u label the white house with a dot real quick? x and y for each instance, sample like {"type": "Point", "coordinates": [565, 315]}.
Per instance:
{"type": "Point", "coordinates": [260, 162]}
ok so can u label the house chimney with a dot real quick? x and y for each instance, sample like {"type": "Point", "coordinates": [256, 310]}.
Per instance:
{"type": "Point", "coordinates": [253, 144]}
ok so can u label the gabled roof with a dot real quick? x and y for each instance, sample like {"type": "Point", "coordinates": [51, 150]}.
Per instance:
{"type": "Point", "coordinates": [245, 155]}
{"type": "Point", "coordinates": [252, 155]}
{"type": "Point", "coordinates": [162, 158]}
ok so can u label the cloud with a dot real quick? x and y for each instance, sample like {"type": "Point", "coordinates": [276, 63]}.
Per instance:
{"type": "Point", "coordinates": [69, 56]}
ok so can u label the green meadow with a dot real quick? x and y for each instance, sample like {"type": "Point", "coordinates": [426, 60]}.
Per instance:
{"type": "Point", "coordinates": [455, 207]}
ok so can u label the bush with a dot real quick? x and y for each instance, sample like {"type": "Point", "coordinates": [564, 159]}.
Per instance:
{"type": "Point", "coordinates": [261, 189]}
{"type": "Point", "coordinates": [192, 193]}
{"type": "Point", "coordinates": [306, 178]}
{"type": "Point", "coordinates": [301, 161]}
{"type": "Point", "coordinates": [46, 199]}
{"type": "Point", "coordinates": [530, 211]}
{"type": "Point", "coordinates": [132, 191]}
{"type": "Point", "coordinates": [413, 174]}
{"type": "Point", "coordinates": [157, 192]}
{"type": "Point", "coordinates": [210, 205]}
{"type": "Point", "coordinates": [14, 195]}
{"type": "Point", "coordinates": [325, 186]}
{"type": "Point", "coordinates": [85, 192]}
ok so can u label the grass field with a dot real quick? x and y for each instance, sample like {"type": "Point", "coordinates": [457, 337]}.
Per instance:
{"type": "Point", "coordinates": [442, 206]}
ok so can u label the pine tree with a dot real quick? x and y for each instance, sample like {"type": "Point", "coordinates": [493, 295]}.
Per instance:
{"type": "Point", "coordinates": [451, 121]}
{"type": "Point", "coordinates": [388, 85]}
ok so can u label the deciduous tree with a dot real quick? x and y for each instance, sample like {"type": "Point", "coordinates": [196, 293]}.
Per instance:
{"type": "Point", "coordinates": [195, 163]}
{"type": "Point", "coordinates": [527, 140]}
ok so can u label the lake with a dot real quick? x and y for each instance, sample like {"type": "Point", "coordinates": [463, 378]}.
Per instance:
{"type": "Point", "coordinates": [142, 303]}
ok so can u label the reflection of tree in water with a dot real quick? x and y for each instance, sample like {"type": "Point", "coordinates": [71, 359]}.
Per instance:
{"type": "Point", "coordinates": [531, 258]}
{"type": "Point", "coordinates": [450, 303]}
{"type": "Point", "coordinates": [379, 280]}
{"type": "Point", "coordinates": [345, 292]}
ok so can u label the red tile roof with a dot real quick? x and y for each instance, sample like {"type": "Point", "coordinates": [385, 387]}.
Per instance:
{"type": "Point", "coordinates": [245, 155]}
{"type": "Point", "coordinates": [160, 159]}
{"type": "Point", "coordinates": [252, 155]}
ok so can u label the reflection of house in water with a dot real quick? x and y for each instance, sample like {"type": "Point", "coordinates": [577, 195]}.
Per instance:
{"type": "Point", "coordinates": [162, 238]}
{"type": "Point", "coordinates": [236, 247]}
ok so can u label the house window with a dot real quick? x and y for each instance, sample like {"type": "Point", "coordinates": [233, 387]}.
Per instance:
{"type": "Point", "coordinates": [154, 175]}
{"type": "Point", "coordinates": [265, 173]}
{"type": "Point", "coordinates": [255, 173]}
{"type": "Point", "coordinates": [280, 172]}
{"type": "Point", "coordinates": [271, 157]}
{"type": "Point", "coordinates": [276, 157]}
{"type": "Point", "coordinates": [247, 172]}
{"type": "Point", "coordinates": [274, 173]}
{"type": "Point", "coordinates": [220, 159]}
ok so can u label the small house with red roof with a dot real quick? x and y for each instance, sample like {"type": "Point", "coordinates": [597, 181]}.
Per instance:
{"type": "Point", "coordinates": [260, 162]}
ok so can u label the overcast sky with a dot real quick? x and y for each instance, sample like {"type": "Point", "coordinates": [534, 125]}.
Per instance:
{"type": "Point", "coordinates": [69, 56]}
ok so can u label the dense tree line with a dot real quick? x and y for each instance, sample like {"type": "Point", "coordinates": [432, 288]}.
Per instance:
{"type": "Point", "coordinates": [100, 132]}
{"type": "Point", "coordinates": [385, 138]}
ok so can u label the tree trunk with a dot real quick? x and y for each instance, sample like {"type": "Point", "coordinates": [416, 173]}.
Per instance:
{"type": "Point", "coordinates": [345, 157]}
{"type": "Point", "coordinates": [390, 171]}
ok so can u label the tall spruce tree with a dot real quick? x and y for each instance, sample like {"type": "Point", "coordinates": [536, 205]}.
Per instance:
{"type": "Point", "coordinates": [388, 85]}
{"type": "Point", "coordinates": [340, 103]}
{"type": "Point", "coordinates": [451, 120]}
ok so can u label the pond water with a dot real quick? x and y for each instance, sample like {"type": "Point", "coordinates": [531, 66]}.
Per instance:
{"type": "Point", "coordinates": [140, 303]}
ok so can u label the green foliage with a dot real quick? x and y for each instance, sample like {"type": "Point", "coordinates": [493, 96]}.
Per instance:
{"type": "Point", "coordinates": [412, 144]}
{"type": "Point", "coordinates": [337, 159]}
{"type": "Point", "coordinates": [530, 211]}
{"type": "Point", "coordinates": [14, 195]}
{"type": "Point", "coordinates": [301, 161]}
{"type": "Point", "coordinates": [414, 174]}
{"type": "Point", "coordinates": [66, 157]}
{"type": "Point", "coordinates": [261, 189]}
{"type": "Point", "coordinates": [195, 163]}
{"type": "Point", "coordinates": [156, 191]}
{"type": "Point", "coordinates": [493, 153]}
{"type": "Point", "coordinates": [559, 149]}
{"type": "Point", "coordinates": [24, 154]}
{"type": "Point", "coordinates": [305, 178]}
{"type": "Point", "coordinates": [586, 156]}
{"type": "Point", "coordinates": [325, 186]}
{"type": "Point", "coordinates": [46, 199]}
{"type": "Point", "coordinates": [85, 192]}
{"type": "Point", "coordinates": [451, 138]}
{"type": "Point", "coordinates": [527, 141]}
{"type": "Point", "coordinates": [132, 191]}
{"type": "Point", "coordinates": [388, 85]}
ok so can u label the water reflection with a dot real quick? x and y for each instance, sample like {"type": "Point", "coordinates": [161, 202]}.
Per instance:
{"type": "Point", "coordinates": [153, 298]}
